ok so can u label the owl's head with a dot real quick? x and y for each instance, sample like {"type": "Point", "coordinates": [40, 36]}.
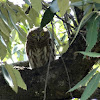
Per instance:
{"type": "Point", "coordinates": [38, 34]}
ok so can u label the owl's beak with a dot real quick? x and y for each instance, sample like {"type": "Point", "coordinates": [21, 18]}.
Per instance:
{"type": "Point", "coordinates": [38, 38]}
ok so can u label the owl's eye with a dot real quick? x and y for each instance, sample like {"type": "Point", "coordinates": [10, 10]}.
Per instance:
{"type": "Point", "coordinates": [42, 34]}
{"type": "Point", "coordinates": [33, 34]}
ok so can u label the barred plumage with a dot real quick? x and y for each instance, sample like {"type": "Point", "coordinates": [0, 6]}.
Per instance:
{"type": "Point", "coordinates": [38, 47]}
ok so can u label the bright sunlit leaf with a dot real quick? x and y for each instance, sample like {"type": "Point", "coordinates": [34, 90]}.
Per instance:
{"type": "Point", "coordinates": [7, 77]}
{"type": "Point", "coordinates": [10, 76]}
{"type": "Point", "coordinates": [63, 6]}
{"type": "Point", "coordinates": [37, 5]}
{"type": "Point", "coordinates": [27, 1]}
{"type": "Point", "coordinates": [4, 39]}
{"type": "Point", "coordinates": [22, 34]}
{"type": "Point", "coordinates": [35, 19]}
{"type": "Point", "coordinates": [13, 77]}
{"type": "Point", "coordinates": [3, 1]}
{"type": "Point", "coordinates": [19, 79]}
{"type": "Point", "coordinates": [3, 50]}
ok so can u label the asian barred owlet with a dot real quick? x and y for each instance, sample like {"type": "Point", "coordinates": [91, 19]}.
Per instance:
{"type": "Point", "coordinates": [38, 47]}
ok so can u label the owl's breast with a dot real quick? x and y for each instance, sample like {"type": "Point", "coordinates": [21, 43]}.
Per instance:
{"type": "Point", "coordinates": [38, 56]}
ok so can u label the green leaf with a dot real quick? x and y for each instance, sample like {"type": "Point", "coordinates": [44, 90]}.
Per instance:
{"type": "Point", "coordinates": [92, 32]}
{"type": "Point", "coordinates": [63, 6]}
{"type": "Point", "coordinates": [54, 6]}
{"type": "Point", "coordinates": [7, 77]}
{"type": "Point", "coordinates": [17, 14]}
{"type": "Point", "coordinates": [78, 3]}
{"type": "Point", "coordinates": [37, 5]}
{"type": "Point", "coordinates": [91, 87]}
{"type": "Point", "coordinates": [24, 28]}
{"type": "Point", "coordinates": [4, 28]}
{"type": "Point", "coordinates": [97, 1]}
{"type": "Point", "coordinates": [22, 13]}
{"type": "Point", "coordinates": [15, 49]}
{"type": "Point", "coordinates": [20, 55]}
{"type": "Point", "coordinates": [88, 8]}
{"type": "Point", "coordinates": [90, 54]}
{"type": "Point", "coordinates": [13, 77]}
{"type": "Point", "coordinates": [4, 18]}
{"type": "Point", "coordinates": [12, 19]}
{"type": "Point", "coordinates": [9, 49]}
{"type": "Point", "coordinates": [3, 50]}
{"type": "Point", "coordinates": [84, 80]}
{"type": "Point", "coordinates": [47, 17]}
{"type": "Point", "coordinates": [10, 77]}
{"type": "Point", "coordinates": [34, 16]}
{"type": "Point", "coordinates": [27, 1]}
{"type": "Point", "coordinates": [13, 35]}
{"type": "Point", "coordinates": [83, 21]}
{"type": "Point", "coordinates": [26, 17]}
{"type": "Point", "coordinates": [3, 1]}
{"type": "Point", "coordinates": [11, 14]}
{"type": "Point", "coordinates": [5, 38]}
{"type": "Point", "coordinates": [97, 6]}
{"type": "Point", "coordinates": [22, 34]}
{"type": "Point", "coordinates": [5, 13]}
{"type": "Point", "coordinates": [19, 79]}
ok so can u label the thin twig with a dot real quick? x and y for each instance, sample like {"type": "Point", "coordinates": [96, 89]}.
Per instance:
{"type": "Point", "coordinates": [69, 83]}
{"type": "Point", "coordinates": [52, 38]}
{"type": "Point", "coordinates": [47, 75]}
{"type": "Point", "coordinates": [71, 17]}
{"type": "Point", "coordinates": [46, 81]}
{"type": "Point", "coordinates": [63, 62]}
{"type": "Point", "coordinates": [68, 27]}
{"type": "Point", "coordinates": [83, 37]}
{"type": "Point", "coordinates": [65, 21]}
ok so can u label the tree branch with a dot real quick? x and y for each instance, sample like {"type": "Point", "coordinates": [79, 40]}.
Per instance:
{"type": "Point", "coordinates": [22, 63]}
{"type": "Point", "coordinates": [57, 82]}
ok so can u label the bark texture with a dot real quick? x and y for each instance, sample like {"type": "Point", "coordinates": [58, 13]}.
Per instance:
{"type": "Point", "coordinates": [58, 79]}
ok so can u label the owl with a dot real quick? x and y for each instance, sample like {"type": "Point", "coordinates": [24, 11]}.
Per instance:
{"type": "Point", "coordinates": [39, 47]}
